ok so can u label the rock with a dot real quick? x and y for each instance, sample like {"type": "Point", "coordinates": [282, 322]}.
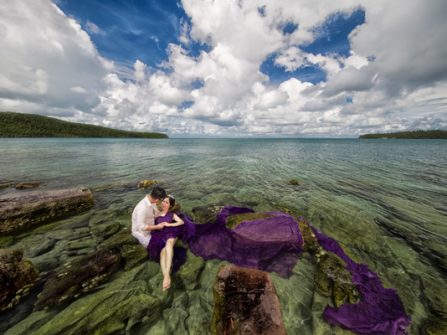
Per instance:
{"type": "Point", "coordinates": [105, 230]}
{"type": "Point", "coordinates": [78, 277]}
{"type": "Point", "coordinates": [245, 302]}
{"type": "Point", "coordinates": [36, 245]}
{"type": "Point", "coordinates": [122, 304]}
{"type": "Point", "coordinates": [6, 184]}
{"type": "Point", "coordinates": [133, 255]}
{"type": "Point", "coordinates": [434, 326]}
{"type": "Point", "coordinates": [27, 185]}
{"type": "Point", "coordinates": [146, 183]}
{"type": "Point", "coordinates": [20, 211]}
{"type": "Point", "coordinates": [119, 239]}
{"type": "Point", "coordinates": [190, 272]}
{"type": "Point", "coordinates": [205, 214]}
{"type": "Point", "coordinates": [294, 182]}
{"type": "Point", "coordinates": [17, 277]}
{"type": "Point", "coordinates": [234, 220]}
{"type": "Point", "coordinates": [331, 277]}
{"type": "Point", "coordinates": [333, 280]}
{"type": "Point", "coordinates": [34, 321]}
{"type": "Point", "coordinates": [296, 294]}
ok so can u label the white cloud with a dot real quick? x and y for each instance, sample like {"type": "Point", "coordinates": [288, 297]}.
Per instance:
{"type": "Point", "coordinates": [45, 58]}
{"type": "Point", "coordinates": [94, 29]}
{"type": "Point", "coordinates": [395, 77]}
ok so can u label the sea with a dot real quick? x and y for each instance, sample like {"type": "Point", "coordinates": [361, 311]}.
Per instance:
{"type": "Point", "coordinates": [383, 200]}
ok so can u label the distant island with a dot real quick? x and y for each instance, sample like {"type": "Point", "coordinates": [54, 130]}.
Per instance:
{"type": "Point", "coordinates": [30, 125]}
{"type": "Point", "coordinates": [418, 134]}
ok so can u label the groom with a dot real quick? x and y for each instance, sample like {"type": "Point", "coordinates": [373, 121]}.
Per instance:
{"type": "Point", "coordinates": [144, 215]}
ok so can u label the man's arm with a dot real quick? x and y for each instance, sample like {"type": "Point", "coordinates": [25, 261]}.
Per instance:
{"type": "Point", "coordinates": [139, 223]}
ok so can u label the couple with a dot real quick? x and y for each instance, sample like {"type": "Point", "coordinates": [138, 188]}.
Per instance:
{"type": "Point", "coordinates": [270, 241]}
{"type": "Point", "coordinates": [157, 230]}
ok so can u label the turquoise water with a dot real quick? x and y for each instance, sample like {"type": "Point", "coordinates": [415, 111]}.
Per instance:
{"type": "Point", "coordinates": [385, 201]}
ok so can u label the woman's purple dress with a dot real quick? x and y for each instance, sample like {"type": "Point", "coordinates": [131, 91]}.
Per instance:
{"type": "Point", "coordinates": [160, 237]}
{"type": "Point", "coordinates": [275, 244]}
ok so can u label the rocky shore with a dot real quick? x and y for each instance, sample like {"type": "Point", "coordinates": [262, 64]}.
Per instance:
{"type": "Point", "coordinates": [69, 265]}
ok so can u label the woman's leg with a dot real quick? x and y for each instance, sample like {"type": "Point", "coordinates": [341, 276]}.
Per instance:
{"type": "Point", "coordinates": [163, 262]}
{"type": "Point", "coordinates": [169, 256]}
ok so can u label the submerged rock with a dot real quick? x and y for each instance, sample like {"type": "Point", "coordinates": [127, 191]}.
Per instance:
{"type": "Point", "coordinates": [245, 302]}
{"type": "Point", "coordinates": [205, 214]}
{"type": "Point", "coordinates": [235, 220]}
{"type": "Point", "coordinates": [20, 211]}
{"type": "Point", "coordinates": [332, 279]}
{"type": "Point", "coordinates": [434, 326]}
{"type": "Point", "coordinates": [146, 183]}
{"type": "Point", "coordinates": [6, 184]}
{"type": "Point", "coordinates": [17, 277]}
{"type": "Point", "coordinates": [118, 308]}
{"type": "Point", "coordinates": [294, 182]}
{"type": "Point", "coordinates": [27, 185]}
{"type": "Point", "coordinates": [78, 277]}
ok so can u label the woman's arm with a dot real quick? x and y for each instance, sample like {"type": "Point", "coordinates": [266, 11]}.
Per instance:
{"type": "Point", "coordinates": [177, 222]}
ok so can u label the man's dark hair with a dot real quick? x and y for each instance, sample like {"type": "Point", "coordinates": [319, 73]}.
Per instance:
{"type": "Point", "coordinates": [158, 193]}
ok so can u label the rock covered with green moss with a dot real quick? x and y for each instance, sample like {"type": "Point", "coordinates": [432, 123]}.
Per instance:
{"type": "Point", "coordinates": [245, 302]}
{"type": "Point", "coordinates": [17, 277]}
{"type": "Point", "coordinates": [20, 211]}
{"type": "Point", "coordinates": [78, 277]}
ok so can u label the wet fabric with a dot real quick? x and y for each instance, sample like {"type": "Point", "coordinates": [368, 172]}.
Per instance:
{"type": "Point", "coordinates": [274, 244]}
{"type": "Point", "coordinates": [270, 244]}
{"type": "Point", "coordinates": [380, 310]}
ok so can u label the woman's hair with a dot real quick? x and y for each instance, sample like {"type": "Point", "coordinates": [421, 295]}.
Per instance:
{"type": "Point", "coordinates": [173, 206]}
{"type": "Point", "coordinates": [171, 201]}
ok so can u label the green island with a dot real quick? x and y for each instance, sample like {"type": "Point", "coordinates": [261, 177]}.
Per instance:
{"type": "Point", "coordinates": [28, 125]}
{"type": "Point", "coordinates": [418, 134]}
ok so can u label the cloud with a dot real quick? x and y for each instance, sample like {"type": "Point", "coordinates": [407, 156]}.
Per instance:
{"type": "Point", "coordinates": [94, 29]}
{"type": "Point", "coordinates": [48, 64]}
{"type": "Point", "coordinates": [395, 77]}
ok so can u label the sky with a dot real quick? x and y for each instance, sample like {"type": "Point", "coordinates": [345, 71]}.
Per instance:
{"type": "Point", "coordinates": [228, 68]}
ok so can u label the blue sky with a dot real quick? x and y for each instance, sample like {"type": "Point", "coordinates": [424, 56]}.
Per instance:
{"type": "Point", "coordinates": [228, 68]}
{"type": "Point", "coordinates": [131, 30]}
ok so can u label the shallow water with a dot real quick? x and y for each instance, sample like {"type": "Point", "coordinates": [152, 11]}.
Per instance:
{"type": "Point", "coordinates": [385, 201]}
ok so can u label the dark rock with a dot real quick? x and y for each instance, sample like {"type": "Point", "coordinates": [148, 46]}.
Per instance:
{"type": "Point", "coordinates": [17, 277]}
{"type": "Point", "coordinates": [245, 302]}
{"type": "Point", "coordinates": [104, 231]}
{"type": "Point", "coordinates": [331, 277]}
{"type": "Point", "coordinates": [146, 183]}
{"type": "Point", "coordinates": [205, 214]}
{"type": "Point", "coordinates": [131, 251]}
{"type": "Point", "coordinates": [20, 211]}
{"type": "Point", "coordinates": [27, 185]}
{"type": "Point", "coordinates": [78, 277]}
{"type": "Point", "coordinates": [294, 182]}
{"type": "Point", "coordinates": [234, 220]}
{"type": "Point", "coordinates": [6, 184]}
{"type": "Point", "coordinates": [433, 326]}
{"type": "Point", "coordinates": [333, 280]}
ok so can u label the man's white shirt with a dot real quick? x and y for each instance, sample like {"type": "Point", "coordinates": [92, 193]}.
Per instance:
{"type": "Point", "coordinates": [142, 216]}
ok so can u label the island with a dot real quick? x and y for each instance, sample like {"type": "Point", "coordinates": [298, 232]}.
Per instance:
{"type": "Point", "coordinates": [30, 125]}
{"type": "Point", "coordinates": [418, 134]}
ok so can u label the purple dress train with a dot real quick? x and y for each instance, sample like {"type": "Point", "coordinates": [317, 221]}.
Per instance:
{"type": "Point", "coordinates": [274, 244]}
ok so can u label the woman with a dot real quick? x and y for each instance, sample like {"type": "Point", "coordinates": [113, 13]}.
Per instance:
{"type": "Point", "coordinates": [168, 226]}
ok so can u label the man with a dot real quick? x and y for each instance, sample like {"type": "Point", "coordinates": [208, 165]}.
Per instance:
{"type": "Point", "coordinates": [143, 215]}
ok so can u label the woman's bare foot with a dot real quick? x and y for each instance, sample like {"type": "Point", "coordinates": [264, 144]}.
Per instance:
{"type": "Point", "coordinates": [166, 283]}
